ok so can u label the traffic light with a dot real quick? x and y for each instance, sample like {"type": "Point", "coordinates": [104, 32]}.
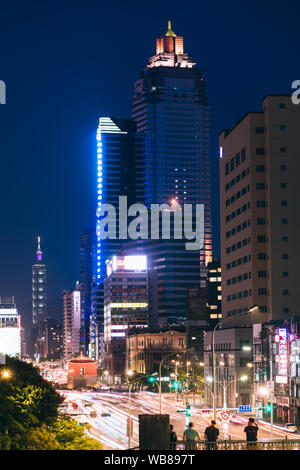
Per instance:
{"type": "Point", "coordinates": [188, 410]}
{"type": "Point", "coordinates": [151, 379]}
{"type": "Point", "coordinates": [268, 408]}
{"type": "Point", "coordinates": [176, 385]}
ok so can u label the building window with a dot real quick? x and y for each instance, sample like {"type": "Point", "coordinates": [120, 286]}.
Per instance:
{"type": "Point", "coordinates": [260, 185]}
{"type": "Point", "coordinates": [283, 167]}
{"type": "Point", "coordinates": [261, 256]}
{"type": "Point", "coordinates": [285, 292]}
{"type": "Point", "coordinates": [284, 203]}
{"type": "Point", "coordinates": [285, 238]}
{"type": "Point", "coordinates": [262, 273]}
{"type": "Point", "coordinates": [261, 221]}
{"type": "Point", "coordinates": [284, 220]}
{"type": "Point", "coordinates": [282, 149]}
{"type": "Point", "coordinates": [285, 256]}
{"type": "Point", "coordinates": [260, 203]}
{"type": "Point", "coordinates": [260, 168]}
{"type": "Point", "coordinates": [261, 238]}
{"type": "Point", "coordinates": [243, 154]}
{"type": "Point", "coordinates": [259, 130]}
{"type": "Point", "coordinates": [232, 164]}
{"type": "Point", "coordinates": [285, 274]}
{"type": "Point", "coordinates": [237, 159]}
{"type": "Point", "coordinates": [282, 127]}
{"type": "Point", "coordinates": [283, 185]}
{"type": "Point", "coordinates": [262, 291]}
{"type": "Point", "coordinates": [260, 151]}
{"type": "Point", "coordinates": [281, 105]}
{"type": "Point", "coordinates": [227, 169]}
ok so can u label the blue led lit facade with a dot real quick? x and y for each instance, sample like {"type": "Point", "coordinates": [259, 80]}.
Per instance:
{"type": "Point", "coordinates": [120, 160]}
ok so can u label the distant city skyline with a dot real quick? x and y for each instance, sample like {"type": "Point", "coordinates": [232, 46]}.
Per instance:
{"type": "Point", "coordinates": [47, 137]}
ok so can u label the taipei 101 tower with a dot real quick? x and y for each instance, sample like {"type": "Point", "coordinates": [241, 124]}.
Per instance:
{"type": "Point", "coordinates": [170, 108]}
{"type": "Point", "coordinates": [39, 300]}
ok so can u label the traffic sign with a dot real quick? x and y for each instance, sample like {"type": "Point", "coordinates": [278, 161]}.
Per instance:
{"type": "Point", "coordinates": [225, 415]}
{"type": "Point", "coordinates": [205, 409]}
{"type": "Point", "coordinates": [245, 409]}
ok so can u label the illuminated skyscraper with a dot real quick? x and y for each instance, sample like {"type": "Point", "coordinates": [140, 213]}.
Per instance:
{"type": "Point", "coordinates": [120, 157]}
{"type": "Point", "coordinates": [39, 301]}
{"type": "Point", "coordinates": [170, 108]}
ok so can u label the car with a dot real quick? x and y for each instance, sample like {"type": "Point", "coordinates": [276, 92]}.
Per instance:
{"type": "Point", "coordinates": [105, 414]}
{"type": "Point", "coordinates": [291, 427]}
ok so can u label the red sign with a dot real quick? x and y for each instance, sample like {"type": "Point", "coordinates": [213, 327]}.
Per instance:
{"type": "Point", "coordinates": [205, 409]}
{"type": "Point", "coordinates": [225, 415]}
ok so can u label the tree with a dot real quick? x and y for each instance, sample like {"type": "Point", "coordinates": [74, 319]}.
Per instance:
{"type": "Point", "coordinates": [29, 418]}
{"type": "Point", "coordinates": [71, 436]}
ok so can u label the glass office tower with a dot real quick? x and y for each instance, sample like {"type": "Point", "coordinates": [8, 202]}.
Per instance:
{"type": "Point", "coordinates": [120, 167]}
{"type": "Point", "coordinates": [170, 108]}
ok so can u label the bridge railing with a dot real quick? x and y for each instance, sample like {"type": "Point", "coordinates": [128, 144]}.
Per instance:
{"type": "Point", "coordinates": [230, 444]}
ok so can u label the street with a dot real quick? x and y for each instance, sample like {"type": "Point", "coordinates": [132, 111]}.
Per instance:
{"type": "Point", "coordinates": [111, 430]}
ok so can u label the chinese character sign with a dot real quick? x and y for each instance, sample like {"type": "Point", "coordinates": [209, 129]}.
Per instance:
{"type": "Point", "coordinates": [283, 353]}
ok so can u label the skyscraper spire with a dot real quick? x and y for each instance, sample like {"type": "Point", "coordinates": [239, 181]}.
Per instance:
{"type": "Point", "coordinates": [39, 252]}
{"type": "Point", "coordinates": [170, 32]}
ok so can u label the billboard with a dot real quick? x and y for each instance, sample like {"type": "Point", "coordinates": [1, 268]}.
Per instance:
{"type": "Point", "coordinates": [130, 263]}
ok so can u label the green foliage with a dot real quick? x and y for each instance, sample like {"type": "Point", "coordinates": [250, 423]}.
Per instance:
{"type": "Point", "coordinates": [70, 436]}
{"type": "Point", "coordinates": [29, 417]}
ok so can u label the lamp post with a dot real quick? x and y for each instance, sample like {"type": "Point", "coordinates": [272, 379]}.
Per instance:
{"type": "Point", "coordinates": [130, 385]}
{"type": "Point", "coordinates": [225, 385]}
{"type": "Point", "coordinates": [271, 379]}
{"type": "Point", "coordinates": [214, 368]}
{"type": "Point", "coordinates": [160, 366]}
{"type": "Point", "coordinates": [176, 379]}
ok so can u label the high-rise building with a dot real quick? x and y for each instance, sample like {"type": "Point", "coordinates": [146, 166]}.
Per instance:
{"type": "Point", "coordinates": [126, 306]}
{"type": "Point", "coordinates": [53, 339]}
{"type": "Point", "coordinates": [72, 321]}
{"type": "Point", "coordinates": [260, 227]}
{"type": "Point", "coordinates": [10, 328]}
{"type": "Point", "coordinates": [120, 160]}
{"type": "Point", "coordinates": [39, 302]}
{"type": "Point", "coordinates": [170, 108]}
{"type": "Point", "coordinates": [87, 243]}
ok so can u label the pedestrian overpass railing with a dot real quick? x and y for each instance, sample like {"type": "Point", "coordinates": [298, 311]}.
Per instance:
{"type": "Point", "coordinates": [230, 444]}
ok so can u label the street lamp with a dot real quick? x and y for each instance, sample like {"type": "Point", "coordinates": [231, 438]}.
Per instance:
{"type": "Point", "coordinates": [130, 373]}
{"type": "Point", "coordinates": [271, 378]}
{"type": "Point", "coordinates": [6, 374]}
{"type": "Point", "coordinates": [160, 366]}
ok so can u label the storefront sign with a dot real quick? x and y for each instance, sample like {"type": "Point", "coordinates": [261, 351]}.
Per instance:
{"type": "Point", "coordinates": [283, 353]}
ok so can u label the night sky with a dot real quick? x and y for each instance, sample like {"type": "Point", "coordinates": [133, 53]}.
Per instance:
{"type": "Point", "coordinates": [67, 63]}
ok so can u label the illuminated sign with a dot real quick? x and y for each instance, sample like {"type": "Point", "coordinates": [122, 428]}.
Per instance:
{"type": "Point", "coordinates": [76, 309]}
{"type": "Point", "coordinates": [130, 263]}
{"type": "Point", "coordinates": [280, 379]}
{"type": "Point", "coordinates": [283, 354]}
